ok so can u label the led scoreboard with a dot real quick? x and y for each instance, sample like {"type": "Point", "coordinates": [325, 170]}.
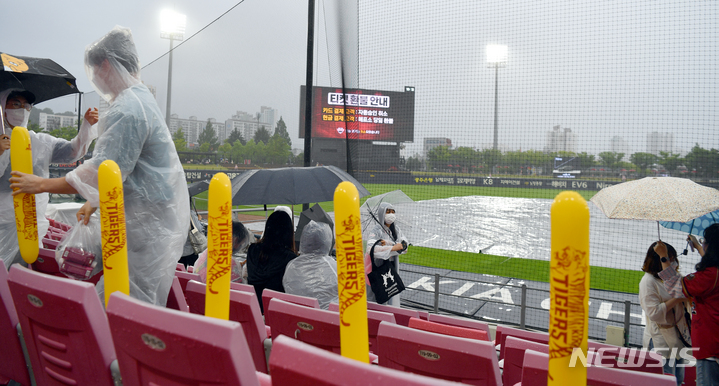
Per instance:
{"type": "Point", "coordinates": [359, 114]}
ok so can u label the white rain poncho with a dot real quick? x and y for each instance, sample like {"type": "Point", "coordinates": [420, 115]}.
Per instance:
{"type": "Point", "coordinates": [133, 133]}
{"type": "Point", "coordinates": [377, 230]}
{"type": "Point", "coordinates": [313, 273]}
{"type": "Point", "coordinates": [46, 149]}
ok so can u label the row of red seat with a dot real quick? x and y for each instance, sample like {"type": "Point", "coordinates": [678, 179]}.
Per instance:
{"type": "Point", "coordinates": [324, 333]}
{"type": "Point", "coordinates": [63, 323]}
{"type": "Point", "coordinates": [71, 340]}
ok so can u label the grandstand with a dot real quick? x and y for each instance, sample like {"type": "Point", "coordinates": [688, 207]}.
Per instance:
{"type": "Point", "coordinates": [404, 95]}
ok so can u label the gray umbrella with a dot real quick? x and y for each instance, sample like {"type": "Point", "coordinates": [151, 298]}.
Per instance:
{"type": "Point", "coordinates": [315, 213]}
{"type": "Point", "coordinates": [290, 186]}
{"type": "Point", "coordinates": [198, 187]}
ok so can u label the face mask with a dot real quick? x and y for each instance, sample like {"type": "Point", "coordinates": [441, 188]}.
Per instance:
{"type": "Point", "coordinates": [389, 218]}
{"type": "Point", "coordinates": [17, 117]}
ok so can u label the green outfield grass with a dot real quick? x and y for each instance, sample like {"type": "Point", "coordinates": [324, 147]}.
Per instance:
{"type": "Point", "coordinates": [610, 279]}
{"type": "Point", "coordinates": [528, 269]}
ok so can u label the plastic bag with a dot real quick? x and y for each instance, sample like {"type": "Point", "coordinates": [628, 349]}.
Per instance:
{"type": "Point", "coordinates": [79, 254]}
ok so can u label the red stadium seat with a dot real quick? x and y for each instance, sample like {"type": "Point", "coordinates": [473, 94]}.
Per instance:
{"type": "Point", "coordinates": [156, 345]}
{"type": "Point", "coordinates": [503, 332]}
{"type": "Point", "coordinates": [460, 322]}
{"type": "Point", "coordinates": [440, 356]}
{"type": "Point", "coordinates": [535, 369]}
{"type": "Point", "coordinates": [185, 277]}
{"type": "Point", "coordinates": [445, 329]}
{"type": "Point", "coordinates": [176, 298]}
{"type": "Point", "coordinates": [12, 359]}
{"type": "Point", "coordinates": [242, 287]}
{"type": "Point", "coordinates": [401, 315]}
{"type": "Point", "coordinates": [514, 349]}
{"type": "Point", "coordinates": [245, 310]}
{"type": "Point", "coordinates": [374, 318]}
{"type": "Point", "coordinates": [65, 328]}
{"type": "Point", "coordinates": [297, 363]}
{"type": "Point", "coordinates": [313, 326]}
{"type": "Point", "coordinates": [269, 294]}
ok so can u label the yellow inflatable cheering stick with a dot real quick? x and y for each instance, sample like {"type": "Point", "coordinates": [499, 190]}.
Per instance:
{"type": "Point", "coordinates": [219, 247]}
{"type": "Point", "coordinates": [569, 289]}
{"type": "Point", "coordinates": [25, 210]}
{"type": "Point", "coordinates": [350, 274]}
{"type": "Point", "coordinates": [114, 236]}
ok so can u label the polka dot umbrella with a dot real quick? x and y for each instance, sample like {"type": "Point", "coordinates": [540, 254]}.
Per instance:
{"type": "Point", "coordinates": [657, 198]}
{"type": "Point", "coordinates": [696, 226]}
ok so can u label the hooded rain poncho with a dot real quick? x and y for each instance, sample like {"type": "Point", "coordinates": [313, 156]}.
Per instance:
{"type": "Point", "coordinates": [46, 149]}
{"type": "Point", "coordinates": [133, 133]}
{"type": "Point", "coordinates": [313, 273]}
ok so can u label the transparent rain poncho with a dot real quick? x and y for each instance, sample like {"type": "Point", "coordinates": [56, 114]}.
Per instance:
{"type": "Point", "coordinates": [313, 273]}
{"type": "Point", "coordinates": [133, 133]}
{"type": "Point", "coordinates": [377, 230]}
{"type": "Point", "coordinates": [46, 149]}
{"type": "Point", "coordinates": [239, 256]}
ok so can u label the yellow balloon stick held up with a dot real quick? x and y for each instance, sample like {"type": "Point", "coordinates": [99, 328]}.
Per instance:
{"type": "Point", "coordinates": [114, 235]}
{"type": "Point", "coordinates": [219, 247]}
{"type": "Point", "coordinates": [25, 210]}
{"type": "Point", "coordinates": [569, 288]}
{"type": "Point", "coordinates": [354, 337]}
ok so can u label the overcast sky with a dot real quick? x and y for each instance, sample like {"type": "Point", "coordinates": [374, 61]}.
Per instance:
{"type": "Point", "coordinates": [602, 68]}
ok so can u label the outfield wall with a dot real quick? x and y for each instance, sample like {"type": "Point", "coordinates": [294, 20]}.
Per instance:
{"type": "Point", "coordinates": [417, 179]}
{"type": "Point", "coordinates": [400, 178]}
{"type": "Point", "coordinates": [512, 182]}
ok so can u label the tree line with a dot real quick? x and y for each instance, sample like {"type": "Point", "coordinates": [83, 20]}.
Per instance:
{"type": "Point", "coordinates": [263, 148]}
{"type": "Point", "coordinates": [698, 162]}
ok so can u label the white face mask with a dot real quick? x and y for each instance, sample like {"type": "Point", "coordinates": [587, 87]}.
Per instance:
{"type": "Point", "coordinates": [17, 117]}
{"type": "Point", "coordinates": [389, 218]}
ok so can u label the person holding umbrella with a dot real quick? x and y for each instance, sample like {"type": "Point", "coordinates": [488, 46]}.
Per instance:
{"type": "Point", "coordinates": [667, 329]}
{"type": "Point", "coordinates": [132, 133]}
{"type": "Point", "coordinates": [386, 242]}
{"type": "Point", "coordinates": [46, 149]}
{"type": "Point", "coordinates": [702, 287]}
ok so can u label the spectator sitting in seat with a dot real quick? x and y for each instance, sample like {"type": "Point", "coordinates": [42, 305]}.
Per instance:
{"type": "Point", "coordinates": [313, 273]}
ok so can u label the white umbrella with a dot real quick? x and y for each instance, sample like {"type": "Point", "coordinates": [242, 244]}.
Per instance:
{"type": "Point", "coordinates": [657, 199]}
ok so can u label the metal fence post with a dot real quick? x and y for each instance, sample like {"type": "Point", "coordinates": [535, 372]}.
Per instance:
{"type": "Point", "coordinates": [627, 310]}
{"type": "Point", "coordinates": [523, 310]}
{"type": "Point", "coordinates": [436, 293]}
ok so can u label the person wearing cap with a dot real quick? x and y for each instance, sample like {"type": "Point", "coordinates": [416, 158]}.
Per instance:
{"type": "Point", "coordinates": [46, 149]}
{"type": "Point", "coordinates": [133, 134]}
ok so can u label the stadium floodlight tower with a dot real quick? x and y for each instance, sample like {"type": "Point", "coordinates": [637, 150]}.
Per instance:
{"type": "Point", "coordinates": [496, 57]}
{"type": "Point", "coordinates": [172, 26]}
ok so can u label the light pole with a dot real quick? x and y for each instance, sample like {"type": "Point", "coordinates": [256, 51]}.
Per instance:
{"type": "Point", "coordinates": [496, 57]}
{"type": "Point", "coordinates": [172, 26]}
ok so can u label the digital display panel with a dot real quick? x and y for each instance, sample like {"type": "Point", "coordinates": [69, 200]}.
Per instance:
{"type": "Point", "coordinates": [359, 114]}
{"type": "Point", "coordinates": [566, 167]}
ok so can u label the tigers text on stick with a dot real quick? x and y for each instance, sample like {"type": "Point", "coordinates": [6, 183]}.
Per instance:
{"type": "Point", "coordinates": [219, 247]}
{"type": "Point", "coordinates": [114, 235]}
{"type": "Point", "coordinates": [350, 274]}
{"type": "Point", "coordinates": [569, 288]}
{"type": "Point", "coordinates": [25, 210]}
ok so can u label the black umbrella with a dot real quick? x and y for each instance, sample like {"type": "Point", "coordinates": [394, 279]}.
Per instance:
{"type": "Point", "coordinates": [198, 187]}
{"type": "Point", "coordinates": [42, 77]}
{"type": "Point", "coordinates": [290, 186]}
{"type": "Point", "coordinates": [315, 213]}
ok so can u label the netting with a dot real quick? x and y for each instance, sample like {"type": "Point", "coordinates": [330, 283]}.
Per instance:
{"type": "Point", "coordinates": [579, 96]}
{"type": "Point", "coordinates": [587, 95]}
